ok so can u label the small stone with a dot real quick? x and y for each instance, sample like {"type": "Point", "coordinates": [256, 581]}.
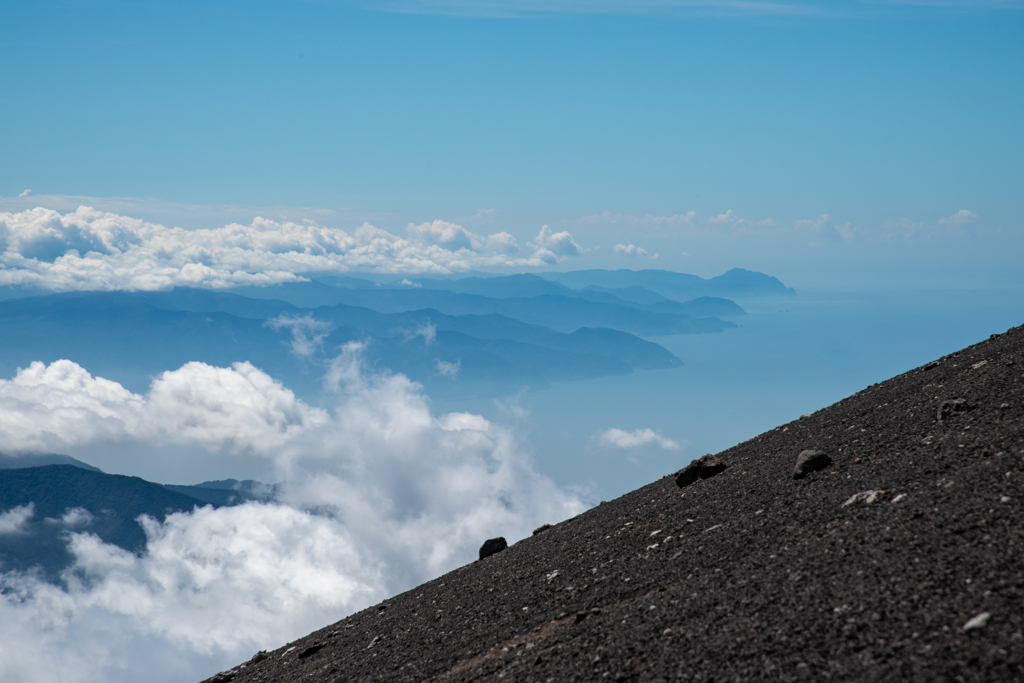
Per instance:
{"type": "Point", "coordinates": [704, 468]}
{"type": "Point", "coordinates": [804, 416]}
{"type": "Point", "coordinates": [810, 461]}
{"type": "Point", "coordinates": [493, 546]}
{"type": "Point", "coordinates": [865, 497]}
{"type": "Point", "coordinates": [899, 498]}
{"type": "Point", "coordinates": [259, 657]}
{"type": "Point", "coordinates": [541, 529]}
{"type": "Point", "coordinates": [978, 621]}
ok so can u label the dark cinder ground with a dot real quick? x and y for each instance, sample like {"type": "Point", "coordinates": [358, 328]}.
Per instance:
{"type": "Point", "coordinates": [750, 575]}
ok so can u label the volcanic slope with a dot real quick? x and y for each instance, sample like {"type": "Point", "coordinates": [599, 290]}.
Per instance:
{"type": "Point", "coordinates": [751, 574]}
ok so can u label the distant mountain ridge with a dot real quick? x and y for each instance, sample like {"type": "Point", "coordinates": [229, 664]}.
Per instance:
{"type": "Point", "coordinates": [471, 336]}
{"type": "Point", "coordinates": [11, 462]}
{"type": "Point", "coordinates": [72, 498]}
{"type": "Point", "coordinates": [131, 337]}
{"type": "Point", "coordinates": [78, 497]}
{"type": "Point", "coordinates": [736, 282]}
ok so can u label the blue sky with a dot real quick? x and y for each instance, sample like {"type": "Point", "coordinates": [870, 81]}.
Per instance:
{"type": "Point", "coordinates": [880, 116]}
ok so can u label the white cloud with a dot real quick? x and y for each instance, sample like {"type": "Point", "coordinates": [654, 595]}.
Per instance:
{"type": "Point", "coordinates": [726, 217]}
{"type": "Point", "coordinates": [307, 333]}
{"type": "Point", "coordinates": [961, 217]}
{"type": "Point", "coordinates": [379, 495]}
{"type": "Point", "coordinates": [447, 369]}
{"type": "Point", "coordinates": [561, 244]}
{"type": "Point", "coordinates": [14, 520]}
{"type": "Point", "coordinates": [619, 438]}
{"type": "Point", "coordinates": [426, 330]}
{"type": "Point", "coordinates": [630, 250]}
{"type": "Point", "coordinates": [25, 193]}
{"type": "Point", "coordinates": [447, 234]}
{"type": "Point", "coordinates": [238, 409]}
{"type": "Point", "coordinates": [676, 225]}
{"type": "Point", "coordinates": [76, 517]}
{"type": "Point", "coordinates": [811, 225]}
{"type": "Point", "coordinates": [89, 249]}
{"type": "Point", "coordinates": [501, 243]}
{"type": "Point", "coordinates": [848, 231]}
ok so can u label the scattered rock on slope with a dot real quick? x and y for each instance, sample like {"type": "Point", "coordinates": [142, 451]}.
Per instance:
{"type": "Point", "coordinates": [704, 468]}
{"type": "Point", "coordinates": [810, 461]}
{"type": "Point", "coordinates": [492, 546]}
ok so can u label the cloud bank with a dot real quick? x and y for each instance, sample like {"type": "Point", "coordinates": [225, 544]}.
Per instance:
{"type": "Point", "coordinates": [93, 250]}
{"type": "Point", "coordinates": [379, 495]}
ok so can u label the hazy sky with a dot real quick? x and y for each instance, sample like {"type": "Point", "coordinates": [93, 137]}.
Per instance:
{"type": "Point", "coordinates": [813, 140]}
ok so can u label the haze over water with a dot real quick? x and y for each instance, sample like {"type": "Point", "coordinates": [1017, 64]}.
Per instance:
{"type": "Point", "coordinates": [788, 356]}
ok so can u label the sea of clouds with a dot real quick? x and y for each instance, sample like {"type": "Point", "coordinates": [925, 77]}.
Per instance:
{"type": "Point", "coordinates": [94, 250]}
{"type": "Point", "coordinates": [378, 495]}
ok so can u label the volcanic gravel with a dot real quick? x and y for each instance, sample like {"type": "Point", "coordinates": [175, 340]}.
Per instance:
{"type": "Point", "coordinates": [901, 560]}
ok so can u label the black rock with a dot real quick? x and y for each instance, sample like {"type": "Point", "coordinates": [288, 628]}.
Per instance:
{"type": "Point", "coordinates": [948, 408]}
{"type": "Point", "coordinates": [712, 466]}
{"type": "Point", "coordinates": [810, 461]}
{"type": "Point", "coordinates": [704, 468]}
{"type": "Point", "coordinates": [492, 546]}
{"type": "Point", "coordinates": [311, 650]}
{"type": "Point", "coordinates": [541, 529]}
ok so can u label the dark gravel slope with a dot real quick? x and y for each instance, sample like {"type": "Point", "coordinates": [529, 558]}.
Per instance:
{"type": "Point", "coordinates": [750, 575]}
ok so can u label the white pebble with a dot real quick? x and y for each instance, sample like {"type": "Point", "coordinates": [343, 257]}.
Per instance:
{"type": "Point", "coordinates": [978, 621]}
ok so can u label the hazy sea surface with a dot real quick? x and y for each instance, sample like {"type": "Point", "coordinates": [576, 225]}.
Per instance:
{"type": "Point", "coordinates": [789, 356]}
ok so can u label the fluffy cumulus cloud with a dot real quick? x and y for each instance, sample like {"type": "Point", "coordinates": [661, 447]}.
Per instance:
{"type": "Point", "coordinates": [90, 249]}
{"type": "Point", "coordinates": [554, 246]}
{"type": "Point", "coordinates": [379, 494]}
{"type": "Point", "coordinates": [618, 438]}
{"type": "Point", "coordinates": [238, 409]}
